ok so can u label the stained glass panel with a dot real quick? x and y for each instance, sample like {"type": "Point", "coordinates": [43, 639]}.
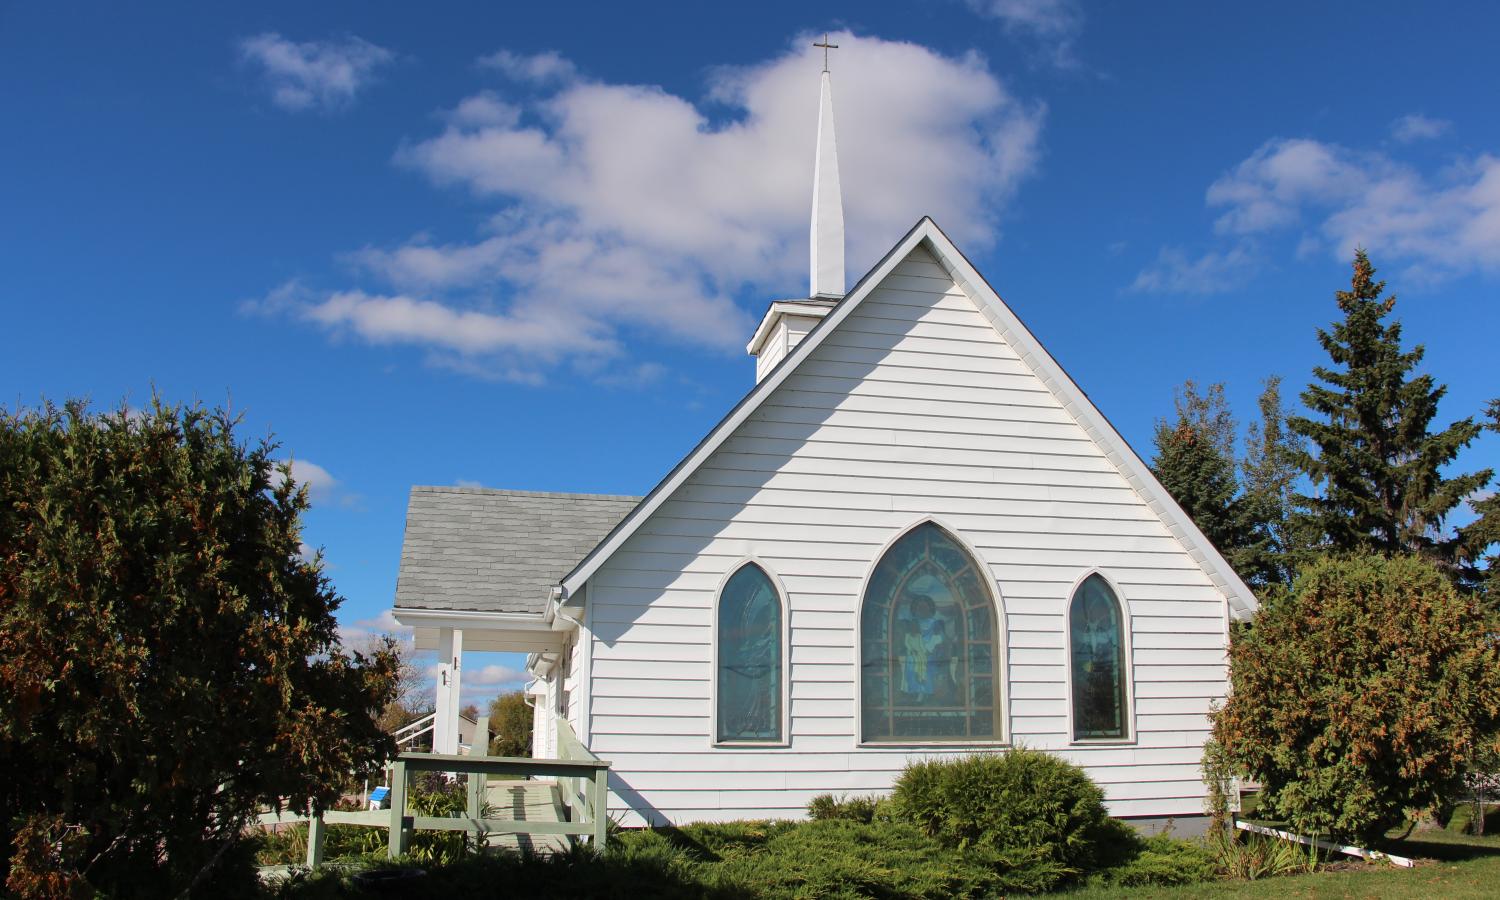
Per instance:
{"type": "Point", "coordinates": [1097, 635]}
{"type": "Point", "coordinates": [927, 626]}
{"type": "Point", "coordinates": [749, 693]}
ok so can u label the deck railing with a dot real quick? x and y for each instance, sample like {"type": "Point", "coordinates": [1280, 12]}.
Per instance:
{"type": "Point", "coordinates": [582, 778]}
{"type": "Point", "coordinates": [585, 793]}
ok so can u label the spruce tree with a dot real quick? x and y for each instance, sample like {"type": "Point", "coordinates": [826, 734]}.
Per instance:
{"type": "Point", "coordinates": [1482, 535]}
{"type": "Point", "coordinates": [1195, 463]}
{"type": "Point", "coordinates": [1270, 475]}
{"type": "Point", "coordinates": [1378, 466]}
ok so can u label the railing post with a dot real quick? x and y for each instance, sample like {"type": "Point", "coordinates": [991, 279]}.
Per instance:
{"type": "Point", "coordinates": [599, 800]}
{"type": "Point", "coordinates": [315, 833]}
{"type": "Point", "coordinates": [397, 845]}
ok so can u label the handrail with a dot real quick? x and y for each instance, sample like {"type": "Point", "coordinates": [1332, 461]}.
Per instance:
{"type": "Point", "coordinates": [416, 728]}
{"type": "Point", "coordinates": [587, 797]}
{"type": "Point", "coordinates": [591, 824]}
{"type": "Point", "coordinates": [582, 779]}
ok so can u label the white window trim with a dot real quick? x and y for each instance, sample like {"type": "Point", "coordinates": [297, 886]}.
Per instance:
{"type": "Point", "coordinates": [1001, 663]}
{"type": "Point", "coordinates": [1127, 643]}
{"type": "Point", "coordinates": [785, 740]}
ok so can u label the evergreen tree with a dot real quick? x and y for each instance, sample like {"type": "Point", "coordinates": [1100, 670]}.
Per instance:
{"type": "Point", "coordinates": [1378, 465]}
{"type": "Point", "coordinates": [1483, 534]}
{"type": "Point", "coordinates": [1270, 474]}
{"type": "Point", "coordinates": [1195, 463]}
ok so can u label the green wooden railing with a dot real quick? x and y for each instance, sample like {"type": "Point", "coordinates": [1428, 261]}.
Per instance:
{"type": "Point", "coordinates": [582, 778]}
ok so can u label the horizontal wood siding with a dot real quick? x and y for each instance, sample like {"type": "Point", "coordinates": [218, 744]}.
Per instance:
{"type": "Point", "coordinates": [914, 407]}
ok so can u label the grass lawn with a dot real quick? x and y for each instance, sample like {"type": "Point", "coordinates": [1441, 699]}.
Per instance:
{"type": "Point", "coordinates": [1479, 877]}
{"type": "Point", "coordinates": [1449, 864]}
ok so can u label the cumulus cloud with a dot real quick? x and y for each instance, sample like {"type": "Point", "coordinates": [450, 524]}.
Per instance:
{"type": "Point", "coordinates": [1417, 127]}
{"type": "Point", "coordinates": [314, 74]}
{"type": "Point", "coordinates": [537, 68]}
{"type": "Point", "coordinates": [624, 210]}
{"type": "Point", "coordinates": [1177, 272]}
{"type": "Point", "coordinates": [1052, 24]}
{"type": "Point", "coordinates": [1441, 224]}
{"type": "Point", "coordinates": [1332, 199]}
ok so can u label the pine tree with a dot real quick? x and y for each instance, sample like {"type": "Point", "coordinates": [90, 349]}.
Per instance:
{"type": "Point", "coordinates": [1270, 475]}
{"type": "Point", "coordinates": [1195, 463]}
{"type": "Point", "coordinates": [1378, 466]}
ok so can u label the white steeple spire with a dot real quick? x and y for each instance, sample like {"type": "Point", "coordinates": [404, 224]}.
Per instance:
{"type": "Point", "coordinates": [827, 236]}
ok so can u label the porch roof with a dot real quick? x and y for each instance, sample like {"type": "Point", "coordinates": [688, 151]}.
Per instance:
{"type": "Point", "coordinates": [483, 550]}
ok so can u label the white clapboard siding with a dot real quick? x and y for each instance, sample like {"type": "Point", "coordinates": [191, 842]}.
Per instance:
{"type": "Point", "coordinates": [913, 407]}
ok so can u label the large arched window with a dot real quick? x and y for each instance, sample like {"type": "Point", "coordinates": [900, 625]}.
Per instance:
{"type": "Point", "coordinates": [929, 666]}
{"type": "Point", "coordinates": [1100, 677]}
{"type": "Point", "coordinates": [749, 658]}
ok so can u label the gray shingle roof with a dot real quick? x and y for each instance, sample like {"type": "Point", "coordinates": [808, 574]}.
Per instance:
{"type": "Point", "coordinates": [497, 551]}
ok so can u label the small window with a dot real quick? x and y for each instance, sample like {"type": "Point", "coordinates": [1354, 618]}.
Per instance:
{"type": "Point", "coordinates": [750, 663]}
{"type": "Point", "coordinates": [1096, 634]}
{"type": "Point", "coordinates": [930, 667]}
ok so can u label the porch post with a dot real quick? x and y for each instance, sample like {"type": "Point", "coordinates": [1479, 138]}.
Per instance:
{"type": "Point", "coordinates": [450, 653]}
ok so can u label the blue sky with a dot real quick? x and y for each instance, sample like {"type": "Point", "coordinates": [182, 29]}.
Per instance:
{"type": "Point", "coordinates": [523, 245]}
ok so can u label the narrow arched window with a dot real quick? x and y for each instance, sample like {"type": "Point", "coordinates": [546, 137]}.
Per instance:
{"type": "Point", "coordinates": [750, 658]}
{"type": "Point", "coordinates": [1096, 637]}
{"type": "Point", "coordinates": [930, 667]}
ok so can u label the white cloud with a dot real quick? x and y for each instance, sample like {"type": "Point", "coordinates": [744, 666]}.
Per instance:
{"type": "Point", "coordinates": [1417, 127]}
{"type": "Point", "coordinates": [319, 481]}
{"type": "Point", "coordinates": [1053, 24]}
{"type": "Point", "coordinates": [624, 208]}
{"type": "Point", "coordinates": [314, 74]}
{"type": "Point", "coordinates": [362, 633]}
{"type": "Point", "coordinates": [1332, 199]}
{"type": "Point", "coordinates": [1213, 272]}
{"type": "Point", "coordinates": [537, 68]}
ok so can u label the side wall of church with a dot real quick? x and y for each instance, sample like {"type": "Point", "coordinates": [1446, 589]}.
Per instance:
{"type": "Point", "coordinates": [914, 407]}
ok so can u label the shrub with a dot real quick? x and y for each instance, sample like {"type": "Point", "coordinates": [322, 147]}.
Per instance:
{"type": "Point", "coordinates": [1162, 860]}
{"type": "Point", "coordinates": [1250, 857]}
{"type": "Point", "coordinates": [1363, 695]}
{"type": "Point", "coordinates": [1024, 809]}
{"type": "Point", "coordinates": [171, 659]}
{"type": "Point", "coordinates": [854, 809]}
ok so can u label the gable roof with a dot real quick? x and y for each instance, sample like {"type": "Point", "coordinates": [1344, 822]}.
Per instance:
{"type": "Point", "coordinates": [927, 234]}
{"type": "Point", "coordinates": [476, 549]}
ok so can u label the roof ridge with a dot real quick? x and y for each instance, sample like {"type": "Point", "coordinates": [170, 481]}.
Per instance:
{"type": "Point", "coordinates": [508, 492]}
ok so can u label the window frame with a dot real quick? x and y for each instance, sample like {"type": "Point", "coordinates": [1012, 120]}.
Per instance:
{"type": "Point", "coordinates": [785, 740]}
{"type": "Point", "coordinates": [1127, 642]}
{"type": "Point", "coordinates": [1001, 656]}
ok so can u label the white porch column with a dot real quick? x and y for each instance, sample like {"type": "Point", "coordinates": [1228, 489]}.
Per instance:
{"type": "Point", "coordinates": [450, 651]}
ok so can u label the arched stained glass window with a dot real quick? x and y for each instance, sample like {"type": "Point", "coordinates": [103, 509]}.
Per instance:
{"type": "Point", "coordinates": [1096, 634]}
{"type": "Point", "coordinates": [929, 665]}
{"type": "Point", "coordinates": [749, 653]}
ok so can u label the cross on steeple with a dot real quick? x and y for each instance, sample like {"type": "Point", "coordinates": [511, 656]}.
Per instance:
{"type": "Point", "coordinates": [826, 47]}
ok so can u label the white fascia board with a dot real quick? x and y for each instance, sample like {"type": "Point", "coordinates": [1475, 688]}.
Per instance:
{"type": "Point", "coordinates": [742, 411]}
{"type": "Point", "coordinates": [475, 620]}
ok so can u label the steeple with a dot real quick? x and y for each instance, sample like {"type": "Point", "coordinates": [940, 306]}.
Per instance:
{"type": "Point", "coordinates": [827, 235]}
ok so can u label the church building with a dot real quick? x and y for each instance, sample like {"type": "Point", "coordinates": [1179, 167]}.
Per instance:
{"type": "Point", "coordinates": [914, 537]}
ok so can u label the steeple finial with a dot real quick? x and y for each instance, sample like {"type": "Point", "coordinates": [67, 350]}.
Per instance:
{"type": "Point", "coordinates": [827, 235]}
{"type": "Point", "coordinates": [826, 47]}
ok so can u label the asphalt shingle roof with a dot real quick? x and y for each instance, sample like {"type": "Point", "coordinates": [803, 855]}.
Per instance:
{"type": "Point", "coordinates": [497, 551]}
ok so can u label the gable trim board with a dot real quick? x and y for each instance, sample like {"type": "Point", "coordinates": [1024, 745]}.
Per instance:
{"type": "Point", "coordinates": [1238, 596]}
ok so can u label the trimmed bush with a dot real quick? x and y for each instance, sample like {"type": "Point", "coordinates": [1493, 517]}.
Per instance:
{"type": "Point", "coordinates": [1033, 816]}
{"type": "Point", "coordinates": [1363, 696]}
{"type": "Point", "coordinates": [854, 809]}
